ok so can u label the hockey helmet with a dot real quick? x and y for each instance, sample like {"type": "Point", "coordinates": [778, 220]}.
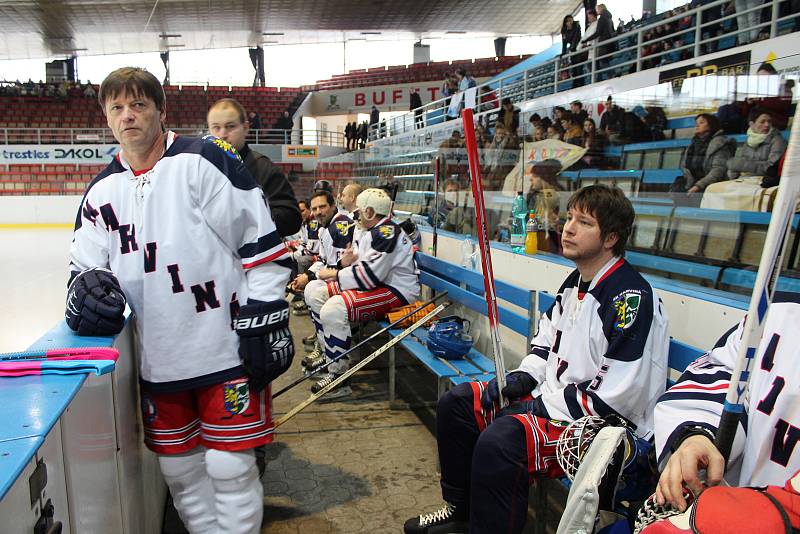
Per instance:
{"type": "Point", "coordinates": [323, 185]}
{"type": "Point", "coordinates": [377, 199]}
{"type": "Point", "coordinates": [448, 338]}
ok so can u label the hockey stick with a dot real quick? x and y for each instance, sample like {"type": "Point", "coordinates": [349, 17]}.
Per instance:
{"type": "Point", "coordinates": [347, 374]}
{"type": "Point", "coordinates": [486, 252]}
{"type": "Point", "coordinates": [763, 291]}
{"type": "Point", "coordinates": [364, 342]}
{"type": "Point", "coordinates": [435, 217]}
{"type": "Point", "coordinates": [71, 353]}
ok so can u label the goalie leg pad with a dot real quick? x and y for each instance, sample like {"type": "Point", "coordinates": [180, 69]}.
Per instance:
{"type": "Point", "coordinates": [238, 493]}
{"type": "Point", "coordinates": [191, 490]}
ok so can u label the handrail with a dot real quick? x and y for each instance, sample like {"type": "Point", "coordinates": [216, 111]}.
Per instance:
{"type": "Point", "coordinates": [546, 78]}
{"type": "Point", "coordinates": [77, 136]}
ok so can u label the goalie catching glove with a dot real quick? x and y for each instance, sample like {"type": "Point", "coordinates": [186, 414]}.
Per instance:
{"type": "Point", "coordinates": [95, 303]}
{"type": "Point", "coordinates": [265, 343]}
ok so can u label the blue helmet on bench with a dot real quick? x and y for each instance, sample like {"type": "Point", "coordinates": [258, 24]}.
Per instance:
{"type": "Point", "coordinates": [448, 338]}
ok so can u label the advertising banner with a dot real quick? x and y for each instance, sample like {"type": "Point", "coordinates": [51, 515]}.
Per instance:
{"type": "Point", "coordinates": [57, 154]}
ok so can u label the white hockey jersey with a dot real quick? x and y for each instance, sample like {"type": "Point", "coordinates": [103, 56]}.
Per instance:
{"type": "Point", "coordinates": [603, 352]}
{"type": "Point", "coordinates": [307, 242]}
{"type": "Point", "coordinates": [333, 240]}
{"type": "Point", "coordinates": [188, 240]}
{"type": "Point", "coordinates": [771, 422]}
{"type": "Point", "coordinates": [385, 259]}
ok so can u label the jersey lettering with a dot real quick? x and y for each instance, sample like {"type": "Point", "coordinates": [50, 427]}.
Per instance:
{"type": "Point", "coordinates": [786, 437]}
{"type": "Point", "coordinates": [599, 378]}
{"type": "Point", "coordinates": [562, 366]}
{"type": "Point", "coordinates": [233, 308]}
{"type": "Point", "coordinates": [149, 257]}
{"type": "Point", "coordinates": [109, 217]}
{"type": "Point", "coordinates": [767, 404]}
{"type": "Point", "coordinates": [768, 361]}
{"type": "Point", "coordinates": [127, 240]}
{"type": "Point", "coordinates": [177, 286]}
{"type": "Point", "coordinates": [90, 213]}
{"type": "Point", "coordinates": [205, 295]}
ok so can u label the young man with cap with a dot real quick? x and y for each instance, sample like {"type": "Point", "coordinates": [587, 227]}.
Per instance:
{"type": "Point", "coordinates": [370, 279]}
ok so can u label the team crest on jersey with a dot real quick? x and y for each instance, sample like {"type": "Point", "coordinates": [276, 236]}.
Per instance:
{"type": "Point", "coordinates": [237, 396]}
{"type": "Point", "coordinates": [626, 305]}
{"type": "Point", "coordinates": [313, 225]}
{"type": "Point", "coordinates": [386, 230]}
{"type": "Point", "coordinates": [225, 146]}
{"type": "Point", "coordinates": [343, 227]}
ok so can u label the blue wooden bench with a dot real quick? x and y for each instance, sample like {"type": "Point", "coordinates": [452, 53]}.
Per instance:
{"type": "Point", "coordinates": [464, 287]}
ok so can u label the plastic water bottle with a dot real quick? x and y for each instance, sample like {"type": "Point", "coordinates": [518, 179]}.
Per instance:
{"type": "Point", "coordinates": [519, 213]}
{"type": "Point", "coordinates": [531, 237]}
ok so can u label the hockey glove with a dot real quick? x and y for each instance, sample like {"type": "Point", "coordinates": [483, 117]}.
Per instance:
{"type": "Point", "coordinates": [518, 385]}
{"type": "Point", "coordinates": [518, 407]}
{"type": "Point", "coordinates": [265, 343]}
{"type": "Point", "coordinates": [95, 303]}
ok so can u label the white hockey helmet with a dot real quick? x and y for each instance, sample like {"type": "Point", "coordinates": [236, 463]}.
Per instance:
{"type": "Point", "coordinates": [377, 199]}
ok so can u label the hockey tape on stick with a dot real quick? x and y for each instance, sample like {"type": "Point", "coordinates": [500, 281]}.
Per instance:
{"type": "Point", "coordinates": [763, 291]}
{"type": "Point", "coordinates": [346, 353]}
{"type": "Point", "coordinates": [347, 374]}
{"type": "Point", "coordinates": [486, 251]}
{"type": "Point", "coordinates": [73, 353]}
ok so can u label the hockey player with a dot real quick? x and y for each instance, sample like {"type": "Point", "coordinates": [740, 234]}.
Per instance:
{"type": "Point", "coordinates": [227, 120]}
{"type": "Point", "coordinates": [368, 280]}
{"type": "Point", "coordinates": [601, 350]}
{"type": "Point", "coordinates": [179, 228]}
{"type": "Point", "coordinates": [347, 200]}
{"type": "Point", "coordinates": [764, 452]}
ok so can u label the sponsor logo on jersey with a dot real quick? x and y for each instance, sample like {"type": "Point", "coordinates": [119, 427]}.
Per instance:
{"type": "Point", "coordinates": [262, 320]}
{"type": "Point", "coordinates": [148, 410]}
{"type": "Point", "coordinates": [626, 305]}
{"type": "Point", "coordinates": [386, 230]}
{"type": "Point", "coordinates": [237, 396]}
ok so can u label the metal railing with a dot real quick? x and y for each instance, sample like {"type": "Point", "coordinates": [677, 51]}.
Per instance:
{"type": "Point", "coordinates": [702, 30]}
{"type": "Point", "coordinates": [77, 136]}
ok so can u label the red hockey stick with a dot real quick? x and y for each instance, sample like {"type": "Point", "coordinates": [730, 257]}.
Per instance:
{"type": "Point", "coordinates": [486, 252]}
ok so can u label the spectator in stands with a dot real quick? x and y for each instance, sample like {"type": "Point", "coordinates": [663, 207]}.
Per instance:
{"type": "Point", "coordinates": [255, 120]}
{"type": "Point", "coordinates": [745, 22]}
{"type": "Point", "coordinates": [488, 99]}
{"type": "Point", "coordinates": [574, 134]}
{"type": "Point", "coordinates": [705, 160]}
{"type": "Point", "coordinates": [558, 114]}
{"type": "Point", "coordinates": [539, 134]}
{"type": "Point", "coordinates": [450, 85]}
{"type": "Point", "coordinates": [554, 131]}
{"type": "Point", "coordinates": [595, 144]}
{"type": "Point", "coordinates": [227, 120]}
{"type": "Point", "coordinates": [285, 123]}
{"type": "Point", "coordinates": [465, 81]}
{"type": "Point", "coordinates": [779, 106]}
{"type": "Point", "coordinates": [611, 121]}
{"type": "Point", "coordinates": [656, 121]}
{"type": "Point", "coordinates": [374, 119]}
{"type": "Point", "coordinates": [570, 35]}
{"type": "Point", "coordinates": [508, 116]}
{"type": "Point", "coordinates": [89, 91]}
{"type": "Point", "coordinates": [760, 153]}
{"type": "Point", "coordinates": [454, 141]}
{"type": "Point", "coordinates": [348, 135]}
{"type": "Point", "coordinates": [363, 133]}
{"type": "Point", "coordinates": [591, 30]}
{"type": "Point", "coordinates": [605, 30]}
{"type": "Point", "coordinates": [481, 136]}
{"type": "Point", "coordinates": [416, 106]}
{"type": "Point", "coordinates": [543, 198]}
{"type": "Point", "coordinates": [576, 108]}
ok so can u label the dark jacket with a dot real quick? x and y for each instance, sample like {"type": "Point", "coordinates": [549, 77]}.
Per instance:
{"type": "Point", "coordinates": [280, 195]}
{"type": "Point", "coordinates": [284, 123]}
{"type": "Point", "coordinates": [501, 118]}
{"type": "Point", "coordinates": [570, 39]}
{"type": "Point", "coordinates": [416, 101]}
{"type": "Point", "coordinates": [605, 26]}
{"type": "Point", "coordinates": [720, 150]}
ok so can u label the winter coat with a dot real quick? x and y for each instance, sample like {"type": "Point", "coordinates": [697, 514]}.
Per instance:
{"type": "Point", "coordinates": [570, 39]}
{"type": "Point", "coordinates": [280, 195]}
{"type": "Point", "coordinates": [756, 161]}
{"type": "Point", "coordinates": [719, 151]}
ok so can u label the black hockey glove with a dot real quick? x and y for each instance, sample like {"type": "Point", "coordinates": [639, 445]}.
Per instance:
{"type": "Point", "coordinates": [265, 343]}
{"type": "Point", "coordinates": [95, 303]}
{"type": "Point", "coordinates": [518, 384]}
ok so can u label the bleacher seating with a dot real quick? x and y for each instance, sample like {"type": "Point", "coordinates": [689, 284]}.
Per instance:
{"type": "Point", "coordinates": [186, 108]}
{"type": "Point", "coordinates": [416, 72]}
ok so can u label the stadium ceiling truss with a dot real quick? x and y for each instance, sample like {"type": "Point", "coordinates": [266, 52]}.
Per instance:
{"type": "Point", "coordinates": [41, 28]}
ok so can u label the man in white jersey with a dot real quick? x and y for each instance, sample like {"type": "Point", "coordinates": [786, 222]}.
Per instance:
{"type": "Point", "coordinates": [179, 228]}
{"type": "Point", "coordinates": [368, 280]}
{"type": "Point", "coordinates": [765, 451]}
{"type": "Point", "coordinates": [601, 350]}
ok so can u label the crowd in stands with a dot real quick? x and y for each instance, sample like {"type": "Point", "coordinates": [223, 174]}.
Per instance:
{"type": "Point", "coordinates": [60, 91]}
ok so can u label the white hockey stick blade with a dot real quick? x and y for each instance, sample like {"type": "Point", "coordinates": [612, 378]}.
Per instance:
{"type": "Point", "coordinates": [347, 374]}
{"type": "Point", "coordinates": [768, 270]}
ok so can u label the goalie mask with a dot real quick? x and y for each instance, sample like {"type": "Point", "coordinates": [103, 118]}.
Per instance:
{"type": "Point", "coordinates": [577, 437]}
